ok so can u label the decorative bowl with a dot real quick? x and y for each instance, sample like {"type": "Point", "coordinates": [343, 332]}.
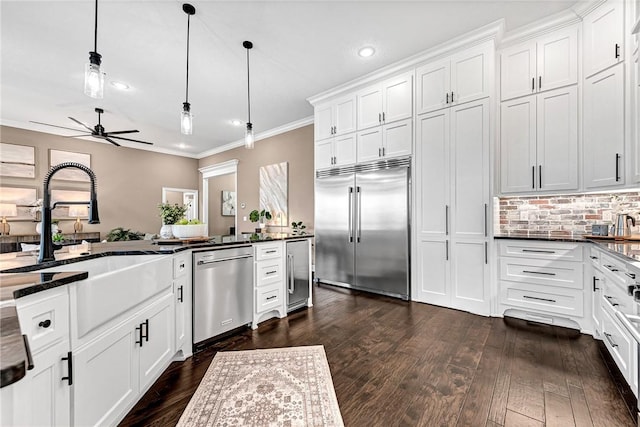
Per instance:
{"type": "Point", "coordinates": [189, 230]}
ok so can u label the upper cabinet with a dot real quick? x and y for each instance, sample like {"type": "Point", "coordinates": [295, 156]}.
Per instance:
{"type": "Point", "coordinates": [386, 102]}
{"type": "Point", "coordinates": [461, 78]}
{"type": "Point", "coordinates": [390, 140]}
{"type": "Point", "coordinates": [603, 37]}
{"type": "Point", "coordinates": [546, 63]}
{"type": "Point", "coordinates": [335, 118]}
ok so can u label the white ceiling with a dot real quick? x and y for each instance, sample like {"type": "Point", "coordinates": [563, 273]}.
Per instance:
{"type": "Point", "coordinates": [301, 48]}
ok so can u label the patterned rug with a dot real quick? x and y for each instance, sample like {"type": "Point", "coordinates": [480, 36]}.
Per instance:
{"type": "Point", "coordinates": [287, 387]}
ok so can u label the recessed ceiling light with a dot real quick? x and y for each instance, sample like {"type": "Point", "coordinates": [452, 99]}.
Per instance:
{"type": "Point", "coordinates": [236, 122]}
{"type": "Point", "coordinates": [120, 85]}
{"type": "Point", "coordinates": [182, 145]}
{"type": "Point", "coordinates": [366, 51]}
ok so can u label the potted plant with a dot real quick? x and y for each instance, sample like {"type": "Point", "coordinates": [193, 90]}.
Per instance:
{"type": "Point", "coordinates": [184, 229]}
{"type": "Point", "coordinates": [298, 227]}
{"type": "Point", "coordinates": [259, 217]}
{"type": "Point", "coordinates": [170, 214]}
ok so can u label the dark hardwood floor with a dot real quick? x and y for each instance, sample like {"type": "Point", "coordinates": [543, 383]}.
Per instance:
{"type": "Point", "coordinates": [396, 363]}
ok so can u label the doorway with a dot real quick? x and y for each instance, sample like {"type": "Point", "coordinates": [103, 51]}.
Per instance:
{"type": "Point", "coordinates": [219, 186]}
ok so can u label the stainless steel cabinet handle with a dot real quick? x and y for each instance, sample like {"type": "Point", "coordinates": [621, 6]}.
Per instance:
{"type": "Point", "coordinates": [617, 167]}
{"type": "Point", "coordinates": [595, 288]}
{"type": "Point", "coordinates": [486, 231]}
{"type": "Point", "coordinates": [290, 279]}
{"type": "Point", "coordinates": [544, 273]}
{"type": "Point", "coordinates": [446, 220]}
{"type": "Point", "coordinates": [611, 300]}
{"type": "Point", "coordinates": [359, 213]}
{"type": "Point", "coordinates": [538, 299]}
{"type": "Point", "coordinates": [608, 337]}
{"type": "Point", "coordinates": [350, 214]}
{"type": "Point", "coordinates": [69, 376]}
{"type": "Point", "coordinates": [539, 251]}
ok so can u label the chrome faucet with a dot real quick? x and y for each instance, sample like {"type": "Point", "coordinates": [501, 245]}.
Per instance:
{"type": "Point", "coordinates": [46, 239]}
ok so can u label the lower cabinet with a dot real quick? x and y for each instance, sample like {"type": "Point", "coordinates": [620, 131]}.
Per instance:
{"type": "Point", "coordinates": [269, 282]}
{"type": "Point", "coordinates": [111, 372]}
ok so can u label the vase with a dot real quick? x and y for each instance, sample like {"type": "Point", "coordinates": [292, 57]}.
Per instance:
{"type": "Point", "coordinates": [54, 228]}
{"type": "Point", "coordinates": [166, 231]}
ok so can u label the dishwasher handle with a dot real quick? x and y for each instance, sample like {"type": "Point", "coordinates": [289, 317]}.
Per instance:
{"type": "Point", "coordinates": [203, 262]}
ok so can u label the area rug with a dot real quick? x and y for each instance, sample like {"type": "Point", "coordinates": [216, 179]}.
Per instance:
{"type": "Point", "coordinates": [287, 387]}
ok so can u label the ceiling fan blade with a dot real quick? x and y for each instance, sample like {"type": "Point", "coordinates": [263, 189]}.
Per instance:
{"type": "Point", "coordinates": [134, 140]}
{"type": "Point", "coordinates": [77, 136]}
{"type": "Point", "coordinates": [81, 124]}
{"type": "Point", "coordinates": [112, 141]}
{"type": "Point", "coordinates": [56, 126]}
{"type": "Point", "coordinates": [118, 132]}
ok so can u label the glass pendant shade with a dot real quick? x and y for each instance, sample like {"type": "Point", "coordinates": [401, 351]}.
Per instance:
{"type": "Point", "coordinates": [93, 81]}
{"type": "Point", "coordinates": [248, 137]}
{"type": "Point", "coordinates": [186, 119]}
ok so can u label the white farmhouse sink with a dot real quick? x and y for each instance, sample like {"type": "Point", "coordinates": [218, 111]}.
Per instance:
{"type": "Point", "coordinates": [116, 284]}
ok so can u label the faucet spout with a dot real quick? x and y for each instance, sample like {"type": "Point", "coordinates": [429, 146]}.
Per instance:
{"type": "Point", "coordinates": [46, 240]}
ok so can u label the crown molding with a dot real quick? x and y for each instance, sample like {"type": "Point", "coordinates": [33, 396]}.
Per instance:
{"type": "Point", "coordinates": [543, 26]}
{"type": "Point", "coordinates": [263, 135]}
{"type": "Point", "coordinates": [492, 31]}
{"type": "Point", "coordinates": [230, 166]}
{"type": "Point", "coordinates": [582, 9]}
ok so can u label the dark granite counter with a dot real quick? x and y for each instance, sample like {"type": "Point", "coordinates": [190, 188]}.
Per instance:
{"type": "Point", "coordinates": [13, 364]}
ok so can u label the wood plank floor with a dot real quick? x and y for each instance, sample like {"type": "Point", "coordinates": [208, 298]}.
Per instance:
{"type": "Point", "coordinates": [398, 363]}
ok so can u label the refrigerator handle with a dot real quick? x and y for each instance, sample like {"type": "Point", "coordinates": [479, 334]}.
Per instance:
{"type": "Point", "coordinates": [350, 214]}
{"type": "Point", "coordinates": [290, 273]}
{"type": "Point", "coordinates": [359, 226]}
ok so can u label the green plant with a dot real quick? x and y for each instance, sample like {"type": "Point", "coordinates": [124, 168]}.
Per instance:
{"type": "Point", "coordinates": [58, 238]}
{"type": "Point", "coordinates": [121, 234]}
{"type": "Point", "coordinates": [171, 214]}
{"type": "Point", "coordinates": [298, 226]}
{"type": "Point", "coordinates": [259, 216]}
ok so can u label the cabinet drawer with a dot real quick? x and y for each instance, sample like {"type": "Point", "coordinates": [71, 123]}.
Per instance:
{"type": "Point", "coordinates": [44, 317]}
{"type": "Point", "coordinates": [542, 250]}
{"type": "Point", "coordinates": [594, 255]}
{"type": "Point", "coordinates": [614, 269]}
{"type": "Point", "coordinates": [269, 272]}
{"type": "Point", "coordinates": [268, 298]}
{"type": "Point", "coordinates": [553, 273]}
{"type": "Point", "coordinates": [268, 251]}
{"type": "Point", "coordinates": [615, 298]}
{"type": "Point", "coordinates": [180, 266]}
{"type": "Point", "coordinates": [566, 302]}
{"type": "Point", "coordinates": [619, 344]}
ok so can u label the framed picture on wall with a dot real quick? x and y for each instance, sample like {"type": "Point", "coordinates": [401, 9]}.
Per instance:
{"type": "Point", "coordinates": [71, 174]}
{"type": "Point", "coordinates": [228, 203]}
{"type": "Point", "coordinates": [17, 161]}
{"type": "Point", "coordinates": [24, 198]}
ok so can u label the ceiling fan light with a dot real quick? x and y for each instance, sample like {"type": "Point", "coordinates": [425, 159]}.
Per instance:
{"type": "Point", "coordinates": [93, 79]}
{"type": "Point", "coordinates": [249, 140]}
{"type": "Point", "coordinates": [186, 119]}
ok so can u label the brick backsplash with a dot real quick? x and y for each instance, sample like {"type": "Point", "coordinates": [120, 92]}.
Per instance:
{"type": "Point", "coordinates": [564, 214]}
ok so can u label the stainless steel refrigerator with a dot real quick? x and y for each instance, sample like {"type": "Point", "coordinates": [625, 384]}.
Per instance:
{"type": "Point", "coordinates": [298, 276]}
{"type": "Point", "coordinates": [362, 227]}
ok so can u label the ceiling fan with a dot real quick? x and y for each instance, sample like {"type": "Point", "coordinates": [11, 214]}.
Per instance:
{"type": "Point", "coordinates": [98, 131]}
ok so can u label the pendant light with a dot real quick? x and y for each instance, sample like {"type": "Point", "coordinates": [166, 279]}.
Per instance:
{"type": "Point", "coordinates": [186, 118]}
{"type": "Point", "coordinates": [248, 136]}
{"type": "Point", "coordinates": [93, 75]}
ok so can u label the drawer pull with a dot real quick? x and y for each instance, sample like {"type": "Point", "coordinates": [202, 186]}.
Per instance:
{"type": "Point", "coordinates": [271, 272]}
{"type": "Point", "coordinates": [539, 299]}
{"type": "Point", "coordinates": [611, 301]}
{"type": "Point", "coordinates": [272, 297]}
{"type": "Point", "coordinates": [608, 337]}
{"type": "Point", "coordinates": [593, 257]}
{"type": "Point", "coordinates": [272, 251]}
{"type": "Point", "coordinates": [45, 323]}
{"type": "Point", "coordinates": [631, 275]}
{"type": "Point", "coordinates": [595, 288]}
{"type": "Point", "coordinates": [544, 273]}
{"type": "Point", "coordinates": [180, 294]}
{"type": "Point", "coordinates": [611, 268]}
{"type": "Point", "coordinates": [539, 251]}
{"type": "Point", "coordinates": [69, 360]}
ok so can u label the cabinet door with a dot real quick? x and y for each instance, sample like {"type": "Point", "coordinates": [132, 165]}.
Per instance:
{"type": "Point", "coordinates": [345, 115]}
{"type": "Point", "coordinates": [105, 379]}
{"type": "Point", "coordinates": [604, 128]}
{"type": "Point", "coordinates": [518, 145]}
{"type": "Point", "coordinates": [432, 174]}
{"type": "Point", "coordinates": [470, 74]}
{"type": "Point", "coordinates": [603, 37]}
{"type": "Point", "coordinates": [517, 71]}
{"type": "Point", "coordinates": [557, 139]}
{"type": "Point", "coordinates": [369, 144]}
{"type": "Point", "coordinates": [432, 286]}
{"type": "Point", "coordinates": [397, 138]}
{"type": "Point", "coordinates": [397, 98]}
{"type": "Point", "coordinates": [369, 109]}
{"type": "Point", "coordinates": [43, 398]}
{"type": "Point", "coordinates": [157, 348]}
{"type": "Point", "coordinates": [597, 282]}
{"type": "Point", "coordinates": [470, 170]}
{"type": "Point", "coordinates": [344, 149]}
{"type": "Point", "coordinates": [323, 121]}
{"type": "Point", "coordinates": [636, 140]}
{"type": "Point", "coordinates": [557, 60]}
{"type": "Point", "coordinates": [469, 276]}
{"type": "Point", "coordinates": [324, 154]}
{"type": "Point", "coordinates": [433, 83]}
{"type": "Point", "coordinates": [182, 313]}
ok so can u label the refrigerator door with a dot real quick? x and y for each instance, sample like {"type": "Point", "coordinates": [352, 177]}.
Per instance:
{"type": "Point", "coordinates": [334, 229]}
{"type": "Point", "coordinates": [382, 231]}
{"type": "Point", "coordinates": [298, 278]}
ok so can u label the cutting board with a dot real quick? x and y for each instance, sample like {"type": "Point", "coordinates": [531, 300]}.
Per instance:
{"type": "Point", "coordinates": [635, 237]}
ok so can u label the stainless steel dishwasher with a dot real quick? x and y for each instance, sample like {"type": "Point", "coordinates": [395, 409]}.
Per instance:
{"type": "Point", "coordinates": [222, 292]}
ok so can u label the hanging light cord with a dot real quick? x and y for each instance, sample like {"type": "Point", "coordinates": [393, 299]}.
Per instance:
{"type": "Point", "coordinates": [95, 31]}
{"type": "Point", "coordinates": [188, 27]}
{"type": "Point", "coordinates": [248, 89]}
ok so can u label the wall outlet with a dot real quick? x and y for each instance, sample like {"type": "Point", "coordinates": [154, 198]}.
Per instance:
{"type": "Point", "coordinates": [524, 215]}
{"type": "Point", "coordinates": [244, 218]}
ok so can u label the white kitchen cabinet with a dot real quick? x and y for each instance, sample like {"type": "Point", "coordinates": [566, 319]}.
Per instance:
{"type": "Point", "coordinates": [539, 142]}
{"type": "Point", "coordinates": [386, 141]}
{"type": "Point", "coordinates": [386, 102]}
{"type": "Point", "coordinates": [336, 152]}
{"type": "Point", "coordinates": [461, 78]}
{"type": "Point", "coordinates": [597, 283]}
{"type": "Point", "coordinates": [546, 63]}
{"type": "Point", "coordinates": [269, 282]}
{"type": "Point", "coordinates": [156, 351]}
{"type": "Point", "coordinates": [604, 37]}
{"type": "Point", "coordinates": [604, 129]}
{"type": "Point", "coordinates": [453, 207]}
{"type": "Point", "coordinates": [335, 118]}
{"type": "Point", "coordinates": [182, 296]}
